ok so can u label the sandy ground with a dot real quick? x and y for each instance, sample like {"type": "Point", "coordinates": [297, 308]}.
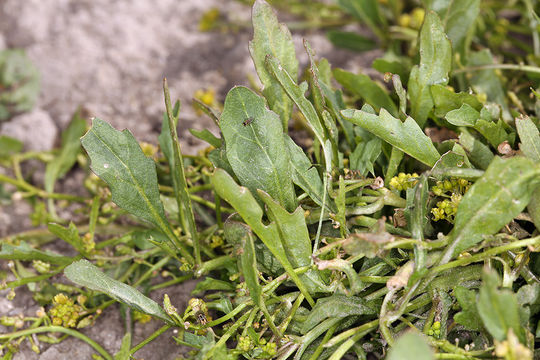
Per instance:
{"type": "Point", "coordinates": [111, 57]}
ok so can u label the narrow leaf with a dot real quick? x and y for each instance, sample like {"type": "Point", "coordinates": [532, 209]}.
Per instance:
{"type": "Point", "coordinates": [350, 40]}
{"type": "Point", "coordinates": [406, 136]}
{"type": "Point", "coordinates": [493, 201]}
{"type": "Point", "coordinates": [86, 274]}
{"type": "Point", "coordinates": [361, 85]}
{"type": "Point", "coordinates": [435, 63]}
{"type": "Point", "coordinates": [71, 145]}
{"type": "Point", "coordinates": [25, 252]}
{"type": "Point", "coordinates": [255, 146]}
{"type": "Point", "coordinates": [272, 38]}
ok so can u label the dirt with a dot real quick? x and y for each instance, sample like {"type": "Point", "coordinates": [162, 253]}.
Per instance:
{"type": "Point", "coordinates": [110, 57]}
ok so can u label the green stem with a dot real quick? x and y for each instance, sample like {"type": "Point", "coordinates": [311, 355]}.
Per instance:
{"type": "Point", "coordinates": [517, 67]}
{"type": "Point", "coordinates": [61, 329]}
{"type": "Point", "coordinates": [21, 184]}
{"type": "Point", "coordinates": [154, 335]}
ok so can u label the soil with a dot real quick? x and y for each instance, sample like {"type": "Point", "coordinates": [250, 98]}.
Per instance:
{"type": "Point", "coordinates": [110, 57]}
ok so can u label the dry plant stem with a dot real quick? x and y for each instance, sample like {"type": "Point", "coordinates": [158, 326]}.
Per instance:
{"type": "Point", "coordinates": [52, 328]}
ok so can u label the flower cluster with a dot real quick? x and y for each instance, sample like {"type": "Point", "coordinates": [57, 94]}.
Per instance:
{"type": "Point", "coordinates": [435, 330]}
{"type": "Point", "coordinates": [65, 312]}
{"type": "Point", "coordinates": [244, 344]}
{"type": "Point", "coordinates": [404, 181]}
{"type": "Point", "coordinates": [452, 190]}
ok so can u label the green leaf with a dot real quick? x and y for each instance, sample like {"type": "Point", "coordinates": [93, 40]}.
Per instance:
{"type": "Point", "coordinates": [367, 11]}
{"type": "Point", "coordinates": [336, 306]}
{"type": "Point", "coordinates": [185, 210]}
{"type": "Point", "coordinates": [255, 146]}
{"type": "Point", "coordinates": [25, 252]}
{"type": "Point", "coordinates": [411, 346]}
{"type": "Point", "coordinates": [364, 156]}
{"type": "Point", "coordinates": [123, 353]}
{"type": "Point", "coordinates": [468, 316]}
{"type": "Point", "coordinates": [406, 136]}
{"type": "Point", "coordinates": [207, 136]}
{"type": "Point", "coordinates": [9, 146]}
{"type": "Point", "coordinates": [399, 67]}
{"type": "Point", "coordinates": [212, 284]}
{"type": "Point", "coordinates": [69, 235]}
{"type": "Point", "coordinates": [493, 201]}
{"type": "Point", "coordinates": [478, 153]}
{"type": "Point", "coordinates": [498, 309]}
{"type": "Point", "coordinates": [86, 274]}
{"type": "Point", "coordinates": [466, 115]}
{"type": "Point", "coordinates": [529, 137]}
{"type": "Point", "coordinates": [245, 204]}
{"type": "Point", "coordinates": [367, 89]}
{"type": "Point", "coordinates": [67, 157]}
{"type": "Point", "coordinates": [487, 81]}
{"type": "Point", "coordinates": [350, 40]}
{"type": "Point", "coordinates": [458, 18]}
{"type": "Point", "coordinates": [296, 93]}
{"type": "Point", "coordinates": [272, 38]}
{"type": "Point", "coordinates": [446, 100]}
{"type": "Point", "coordinates": [435, 63]}
{"type": "Point", "coordinates": [306, 176]}
{"type": "Point", "coordinates": [118, 159]}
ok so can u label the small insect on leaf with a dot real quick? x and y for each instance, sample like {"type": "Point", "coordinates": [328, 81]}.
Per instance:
{"type": "Point", "coordinates": [248, 121]}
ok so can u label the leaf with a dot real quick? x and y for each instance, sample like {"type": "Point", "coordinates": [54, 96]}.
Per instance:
{"type": "Point", "coordinates": [458, 18]}
{"type": "Point", "coordinates": [123, 353]}
{"type": "Point", "coordinates": [466, 115]}
{"type": "Point", "coordinates": [296, 93]}
{"type": "Point", "coordinates": [364, 156]}
{"type": "Point", "coordinates": [9, 146]}
{"type": "Point", "coordinates": [493, 201]}
{"type": "Point", "coordinates": [86, 274]}
{"type": "Point", "coordinates": [468, 316]}
{"type": "Point", "coordinates": [498, 309]}
{"type": "Point", "coordinates": [185, 210]}
{"type": "Point", "coordinates": [529, 137]}
{"type": "Point", "coordinates": [478, 153]}
{"type": "Point", "coordinates": [306, 176]}
{"type": "Point", "coordinates": [411, 346]}
{"type": "Point", "coordinates": [212, 284]}
{"type": "Point", "coordinates": [367, 89]}
{"type": "Point", "coordinates": [487, 81]}
{"type": "Point", "coordinates": [272, 38]}
{"type": "Point", "coordinates": [406, 136]}
{"type": "Point", "coordinates": [207, 136]}
{"type": "Point", "coordinates": [446, 100]}
{"type": "Point", "coordinates": [399, 67]}
{"type": "Point", "coordinates": [248, 261]}
{"type": "Point", "coordinates": [67, 157]}
{"type": "Point", "coordinates": [119, 161]}
{"type": "Point", "coordinates": [69, 235]}
{"type": "Point", "coordinates": [336, 306]}
{"type": "Point", "coordinates": [25, 252]}
{"type": "Point", "coordinates": [245, 204]}
{"type": "Point", "coordinates": [350, 40]}
{"type": "Point", "coordinates": [367, 11]}
{"type": "Point", "coordinates": [256, 150]}
{"type": "Point", "coordinates": [435, 63]}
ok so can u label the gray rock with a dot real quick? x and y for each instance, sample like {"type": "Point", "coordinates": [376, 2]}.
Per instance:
{"type": "Point", "coordinates": [35, 129]}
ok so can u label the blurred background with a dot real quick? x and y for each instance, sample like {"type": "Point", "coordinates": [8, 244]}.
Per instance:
{"type": "Point", "coordinates": [110, 57]}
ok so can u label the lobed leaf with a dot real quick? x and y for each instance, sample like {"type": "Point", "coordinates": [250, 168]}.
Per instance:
{"type": "Point", "coordinates": [84, 273]}
{"type": "Point", "coordinates": [406, 136]}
